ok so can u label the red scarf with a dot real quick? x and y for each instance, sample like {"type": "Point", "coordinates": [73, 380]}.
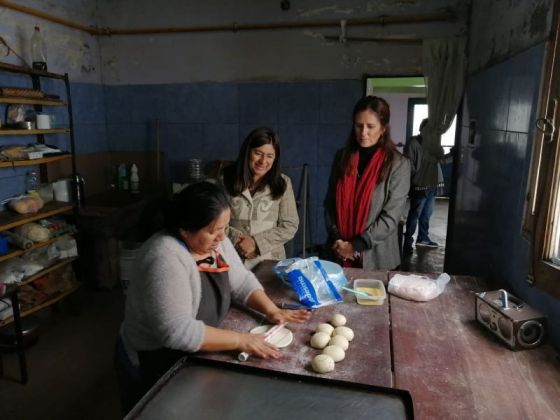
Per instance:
{"type": "Point", "coordinates": [353, 197]}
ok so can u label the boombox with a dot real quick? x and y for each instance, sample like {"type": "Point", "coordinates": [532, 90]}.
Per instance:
{"type": "Point", "coordinates": [520, 326]}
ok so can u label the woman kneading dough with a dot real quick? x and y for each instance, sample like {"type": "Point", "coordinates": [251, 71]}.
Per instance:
{"type": "Point", "coordinates": [186, 278]}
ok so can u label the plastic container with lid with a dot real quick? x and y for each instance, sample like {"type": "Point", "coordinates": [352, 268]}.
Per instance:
{"type": "Point", "coordinates": [374, 288]}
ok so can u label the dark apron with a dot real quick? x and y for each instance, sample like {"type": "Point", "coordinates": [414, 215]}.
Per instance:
{"type": "Point", "coordinates": [214, 305]}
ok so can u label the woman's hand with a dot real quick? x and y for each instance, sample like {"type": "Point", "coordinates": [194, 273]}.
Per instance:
{"type": "Point", "coordinates": [288, 315]}
{"type": "Point", "coordinates": [344, 249]}
{"type": "Point", "coordinates": [246, 246]}
{"type": "Point", "coordinates": [257, 345]}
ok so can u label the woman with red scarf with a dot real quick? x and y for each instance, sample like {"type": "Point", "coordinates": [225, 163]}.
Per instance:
{"type": "Point", "coordinates": [368, 187]}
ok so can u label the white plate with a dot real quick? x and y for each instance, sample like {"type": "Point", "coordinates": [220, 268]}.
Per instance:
{"type": "Point", "coordinates": [282, 338]}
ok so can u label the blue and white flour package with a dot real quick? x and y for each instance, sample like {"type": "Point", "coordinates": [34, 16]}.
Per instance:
{"type": "Point", "coordinates": [311, 283]}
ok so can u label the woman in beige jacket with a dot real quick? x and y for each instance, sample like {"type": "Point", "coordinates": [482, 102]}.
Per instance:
{"type": "Point", "coordinates": [264, 214]}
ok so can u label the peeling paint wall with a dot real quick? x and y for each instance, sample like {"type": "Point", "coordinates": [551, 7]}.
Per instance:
{"type": "Point", "coordinates": [291, 54]}
{"type": "Point", "coordinates": [68, 50]}
{"type": "Point", "coordinates": [503, 28]}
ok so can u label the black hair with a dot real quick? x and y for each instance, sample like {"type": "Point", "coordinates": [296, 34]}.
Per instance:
{"type": "Point", "coordinates": [238, 177]}
{"type": "Point", "coordinates": [381, 108]}
{"type": "Point", "coordinates": [195, 207]}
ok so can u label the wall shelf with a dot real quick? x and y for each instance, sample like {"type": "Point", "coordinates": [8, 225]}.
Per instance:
{"type": "Point", "coordinates": [46, 304]}
{"type": "Point", "coordinates": [10, 219]}
{"type": "Point", "coordinates": [16, 252]}
{"type": "Point", "coordinates": [31, 162]}
{"type": "Point", "coordinates": [30, 101]}
{"type": "Point", "coordinates": [24, 132]}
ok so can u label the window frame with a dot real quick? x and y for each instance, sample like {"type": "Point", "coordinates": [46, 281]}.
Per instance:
{"type": "Point", "coordinates": [545, 166]}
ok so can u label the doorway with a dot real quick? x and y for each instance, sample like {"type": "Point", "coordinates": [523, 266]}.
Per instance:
{"type": "Point", "coordinates": [407, 99]}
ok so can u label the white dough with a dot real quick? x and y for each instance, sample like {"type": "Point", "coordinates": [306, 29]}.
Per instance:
{"type": "Point", "coordinates": [319, 340]}
{"type": "Point", "coordinates": [335, 352]}
{"type": "Point", "coordinates": [344, 331]}
{"type": "Point", "coordinates": [340, 341]}
{"type": "Point", "coordinates": [326, 328]}
{"type": "Point", "coordinates": [338, 320]}
{"type": "Point", "coordinates": [322, 363]}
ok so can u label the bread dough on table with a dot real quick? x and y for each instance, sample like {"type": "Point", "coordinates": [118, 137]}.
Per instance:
{"type": "Point", "coordinates": [338, 320]}
{"type": "Point", "coordinates": [282, 338]}
{"type": "Point", "coordinates": [340, 341]}
{"type": "Point", "coordinates": [335, 352]}
{"type": "Point", "coordinates": [344, 331]}
{"type": "Point", "coordinates": [319, 340]}
{"type": "Point", "coordinates": [322, 363]}
{"type": "Point", "coordinates": [326, 328]}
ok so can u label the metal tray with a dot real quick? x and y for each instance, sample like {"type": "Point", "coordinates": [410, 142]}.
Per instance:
{"type": "Point", "coordinates": [208, 389]}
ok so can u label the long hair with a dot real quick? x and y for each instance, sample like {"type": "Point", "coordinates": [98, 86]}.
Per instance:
{"type": "Point", "coordinates": [381, 108]}
{"type": "Point", "coordinates": [238, 177]}
{"type": "Point", "coordinates": [195, 207]}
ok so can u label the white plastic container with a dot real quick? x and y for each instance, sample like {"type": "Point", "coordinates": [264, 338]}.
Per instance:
{"type": "Point", "coordinates": [127, 261]}
{"type": "Point", "coordinates": [374, 288]}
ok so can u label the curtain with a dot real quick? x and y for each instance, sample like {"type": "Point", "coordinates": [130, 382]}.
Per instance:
{"type": "Point", "coordinates": [445, 64]}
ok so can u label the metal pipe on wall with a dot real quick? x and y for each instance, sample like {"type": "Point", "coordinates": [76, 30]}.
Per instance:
{"type": "Point", "coordinates": [236, 27]}
{"type": "Point", "coordinates": [37, 13]}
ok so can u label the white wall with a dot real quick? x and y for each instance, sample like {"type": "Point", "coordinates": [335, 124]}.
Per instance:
{"type": "Point", "coordinates": [293, 54]}
{"type": "Point", "coordinates": [69, 50]}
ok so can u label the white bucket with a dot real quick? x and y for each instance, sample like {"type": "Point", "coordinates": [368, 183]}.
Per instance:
{"type": "Point", "coordinates": [127, 262]}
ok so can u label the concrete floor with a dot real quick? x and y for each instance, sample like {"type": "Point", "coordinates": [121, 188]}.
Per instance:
{"type": "Point", "coordinates": [430, 260]}
{"type": "Point", "coordinates": [71, 372]}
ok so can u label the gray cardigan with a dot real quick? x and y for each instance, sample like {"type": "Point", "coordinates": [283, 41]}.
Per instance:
{"type": "Point", "coordinates": [164, 296]}
{"type": "Point", "coordinates": [387, 208]}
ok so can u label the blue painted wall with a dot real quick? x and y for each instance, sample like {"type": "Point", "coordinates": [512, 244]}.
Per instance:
{"type": "Point", "coordinates": [492, 181]}
{"type": "Point", "coordinates": [209, 121]}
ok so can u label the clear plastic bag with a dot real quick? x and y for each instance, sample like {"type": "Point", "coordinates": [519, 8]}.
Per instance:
{"type": "Point", "coordinates": [311, 283]}
{"type": "Point", "coordinates": [418, 288]}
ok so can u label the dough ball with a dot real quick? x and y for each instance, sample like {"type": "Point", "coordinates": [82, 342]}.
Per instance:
{"type": "Point", "coordinates": [319, 340]}
{"type": "Point", "coordinates": [338, 320]}
{"type": "Point", "coordinates": [335, 352]}
{"type": "Point", "coordinates": [326, 328]}
{"type": "Point", "coordinates": [344, 331]}
{"type": "Point", "coordinates": [322, 363]}
{"type": "Point", "coordinates": [340, 341]}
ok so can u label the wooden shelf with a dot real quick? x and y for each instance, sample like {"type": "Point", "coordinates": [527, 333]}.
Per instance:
{"type": "Point", "coordinates": [24, 132]}
{"type": "Point", "coordinates": [30, 101]}
{"type": "Point", "coordinates": [47, 303]}
{"type": "Point", "coordinates": [16, 252]}
{"type": "Point", "coordinates": [31, 162]}
{"type": "Point", "coordinates": [10, 219]}
{"type": "Point", "coordinates": [26, 70]}
{"type": "Point", "coordinates": [47, 270]}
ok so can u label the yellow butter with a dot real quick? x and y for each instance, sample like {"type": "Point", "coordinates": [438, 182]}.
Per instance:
{"type": "Point", "coordinates": [372, 291]}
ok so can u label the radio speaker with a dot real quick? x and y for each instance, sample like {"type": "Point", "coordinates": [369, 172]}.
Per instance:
{"type": "Point", "coordinates": [514, 322]}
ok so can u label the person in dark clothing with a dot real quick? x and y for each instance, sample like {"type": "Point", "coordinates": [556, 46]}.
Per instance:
{"type": "Point", "coordinates": [426, 179]}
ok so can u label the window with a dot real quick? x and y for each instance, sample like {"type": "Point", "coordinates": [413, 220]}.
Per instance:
{"type": "Point", "coordinates": [417, 111]}
{"type": "Point", "coordinates": [542, 214]}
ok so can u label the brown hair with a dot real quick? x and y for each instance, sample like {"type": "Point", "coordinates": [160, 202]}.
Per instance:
{"type": "Point", "coordinates": [381, 108]}
{"type": "Point", "coordinates": [238, 177]}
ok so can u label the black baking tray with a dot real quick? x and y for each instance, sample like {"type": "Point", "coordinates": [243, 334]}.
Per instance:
{"type": "Point", "coordinates": [209, 389]}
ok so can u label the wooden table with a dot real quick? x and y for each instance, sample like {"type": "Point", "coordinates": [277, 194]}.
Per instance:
{"type": "Point", "coordinates": [451, 365]}
{"type": "Point", "coordinates": [456, 369]}
{"type": "Point", "coordinates": [368, 359]}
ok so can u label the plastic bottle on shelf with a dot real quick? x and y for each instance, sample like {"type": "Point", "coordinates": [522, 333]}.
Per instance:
{"type": "Point", "coordinates": [123, 179]}
{"type": "Point", "coordinates": [38, 50]}
{"type": "Point", "coordinates": [31, 182]}
{"type": "Point", "coordinates": [134, 179]}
